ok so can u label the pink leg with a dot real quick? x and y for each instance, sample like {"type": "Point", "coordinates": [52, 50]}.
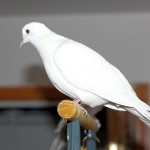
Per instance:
{"type": "Point", "coordinates": [79, 103]}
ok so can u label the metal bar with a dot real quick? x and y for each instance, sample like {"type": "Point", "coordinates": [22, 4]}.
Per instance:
{"type": "Point", "coordinates": [91, 142]}
{"type": "Point", "coordinates": [73, 135]}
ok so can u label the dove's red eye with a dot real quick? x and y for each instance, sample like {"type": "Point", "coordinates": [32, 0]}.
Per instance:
{"type": "Point", "coordinates": [27, 31]}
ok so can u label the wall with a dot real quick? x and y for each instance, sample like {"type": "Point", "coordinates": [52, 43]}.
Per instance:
{"type": "Point", "coordinates": [118, 30]}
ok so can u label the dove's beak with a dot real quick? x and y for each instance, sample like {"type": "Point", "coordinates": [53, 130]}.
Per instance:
{"type": "Point", "coordinates": [22, 43]}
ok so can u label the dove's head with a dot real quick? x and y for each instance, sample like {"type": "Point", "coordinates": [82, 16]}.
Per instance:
{"type": "Point", "coordinates": [34, 31]}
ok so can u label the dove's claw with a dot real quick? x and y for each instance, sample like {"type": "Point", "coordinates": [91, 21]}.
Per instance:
{"type": "Point", "coordinates": [79, 103]}
{"type": "Point", "coordinates": [84, 111]}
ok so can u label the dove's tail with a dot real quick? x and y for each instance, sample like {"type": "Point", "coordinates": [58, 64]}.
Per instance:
{"type": "Point", "coordinates": [146, 122]}
{"type": "Point", "coordinates": [144, 115]}
{"type": "Point", "coordinates": [142, 111]}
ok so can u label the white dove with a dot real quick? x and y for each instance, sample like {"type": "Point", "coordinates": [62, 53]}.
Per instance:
{"type": "Point", "coordinates": [81, 73]}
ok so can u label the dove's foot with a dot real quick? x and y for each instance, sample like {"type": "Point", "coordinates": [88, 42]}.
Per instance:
{"type": "Point", "coordinates": [84, 111]}
{"type": "Point", "coordinates": [79, 103]}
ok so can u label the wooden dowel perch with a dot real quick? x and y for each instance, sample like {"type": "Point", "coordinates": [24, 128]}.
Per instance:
{"type": "Point", "coordinates": [70, 111]}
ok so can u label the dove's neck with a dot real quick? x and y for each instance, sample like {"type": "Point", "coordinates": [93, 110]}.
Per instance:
{"type": "Point", "coordinates": [48, 45]}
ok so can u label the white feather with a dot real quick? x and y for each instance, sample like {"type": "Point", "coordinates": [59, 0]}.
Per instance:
{"type": "Point", "coordinates": [89, 72]}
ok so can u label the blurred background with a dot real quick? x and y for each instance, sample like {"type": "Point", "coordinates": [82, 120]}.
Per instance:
{"type": "Point", "coordinates": [119, 30]}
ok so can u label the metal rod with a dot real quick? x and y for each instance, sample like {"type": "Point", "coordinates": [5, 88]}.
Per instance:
{"type": "Point", "coordinates": [73, 135]}
{"type": "Point", "coordinates": [91, 142]}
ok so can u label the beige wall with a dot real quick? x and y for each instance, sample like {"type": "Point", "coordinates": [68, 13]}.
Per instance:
{"type": "Point", "coordinates": [118, 31]}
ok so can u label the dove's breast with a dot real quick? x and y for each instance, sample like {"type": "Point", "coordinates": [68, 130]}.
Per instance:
{"type": "Point", "coordinates": [57, 79]}
{"type": "Point", "coordinates": [55, 76]}
{"type": "Point", "coordinates": [61, 83]}
{"type": "Point", "coordinates": [68, 89]}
